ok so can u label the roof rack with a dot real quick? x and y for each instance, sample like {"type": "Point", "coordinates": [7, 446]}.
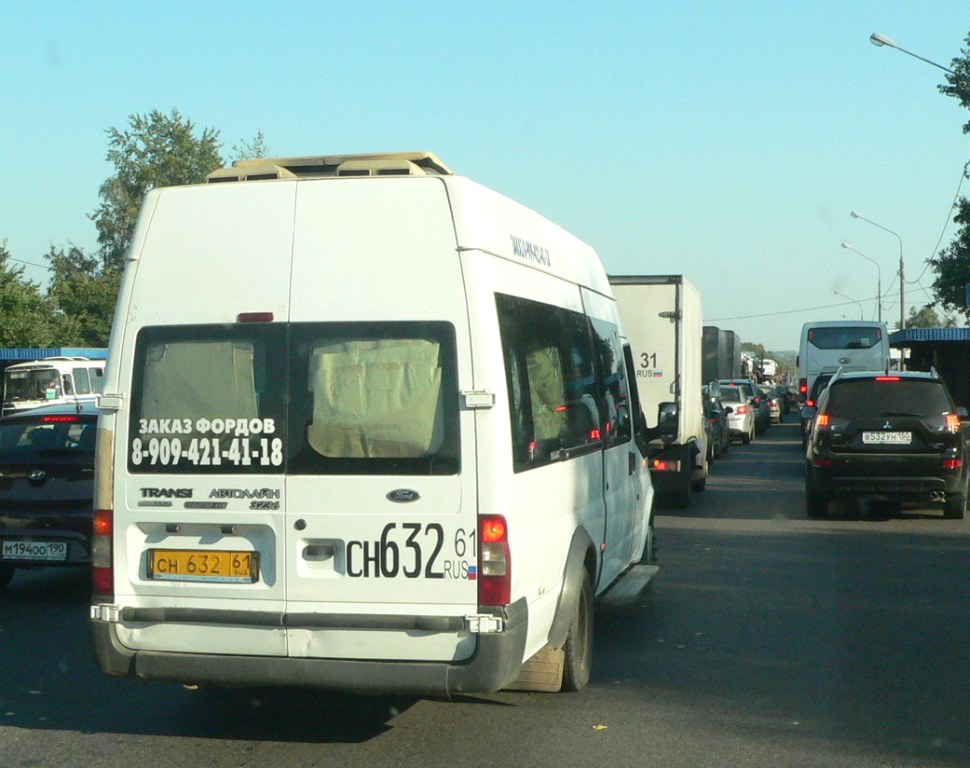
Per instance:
{"type": "Point", "coordinates": [328, 166]}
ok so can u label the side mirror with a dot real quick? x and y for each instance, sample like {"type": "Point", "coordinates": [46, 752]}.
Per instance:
{"type": "Point", "coordinates": [807, 413]}
{"type": "Point", "coordinates": [728, 409]}
{"type": "Point", "coordinates": [962, 412]}
{"type": "Point", "coordinates": [667, 417]}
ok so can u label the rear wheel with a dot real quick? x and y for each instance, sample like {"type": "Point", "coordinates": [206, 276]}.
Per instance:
{"type": "Point", "coordinates": [816, 501]}
{"type": "Point", "coordinates": [955, 506]}
{"type": "Point", "coordinates": [578, 649]}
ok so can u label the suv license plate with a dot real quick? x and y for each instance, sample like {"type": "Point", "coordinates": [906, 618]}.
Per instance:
{"type": "Point", "coordinates": [887, 438]}
{"type": "Point", "coordinates": [34, 550]}
{"type": "Point", "coordinates": [203, 565]}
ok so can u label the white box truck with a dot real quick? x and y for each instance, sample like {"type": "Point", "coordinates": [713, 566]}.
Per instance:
{"type": "Point", "coordinates": [663, 318]}
{"type": "Point", "coordinates": [367, 426]}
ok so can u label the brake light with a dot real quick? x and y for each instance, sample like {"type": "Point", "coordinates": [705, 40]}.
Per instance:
{"type": "Point", "coordinates": [254, 317]}
{"type": "Point", "coordinates": [665, 465]}
{"type": "Point", "coordinates": [494, 562]}
{"type": "Point", "coordinates": [60, 419]}
{"type": "Point", "coordinates": [741, 409]}
{"type": "Point", "coordinates": [952, 463]}
{"type": "Point", "coordinates": [803, 386]}
{"type": "Point", "coordinates": [823, 420]}
{"type": "Point", "coordinates": [952, 423]}
{"type": "Point", "coordinates": [887, 378]}
{"type": "Point", "coordinates": [102, 571]}
{"type": "Point", "coordinates": [810, 403]}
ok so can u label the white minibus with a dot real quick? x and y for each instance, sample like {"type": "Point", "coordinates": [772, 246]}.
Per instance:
{"type": "Point", "coordinates": [367, 426]}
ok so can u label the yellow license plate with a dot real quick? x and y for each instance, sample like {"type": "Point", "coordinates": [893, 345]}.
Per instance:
{"type": "Point", "coordinates": [203, 565]}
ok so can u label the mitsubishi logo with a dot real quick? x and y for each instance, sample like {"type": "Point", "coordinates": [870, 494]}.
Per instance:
{"type": "Point", "coordinates": [36, 475]}
{"type": "Point", "coordinates": [887, 425]}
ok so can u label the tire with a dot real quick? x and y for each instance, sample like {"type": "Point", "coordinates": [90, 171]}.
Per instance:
{"type": "Point", "coordinates": [816, 502]}
{"type": "Point", "coordinates": [578, 648]}
{"type": "Point", "coordinates": [748, 437]}
{"type": "Point", "coordinates": [724, 448]}
{"type": "Point", "coordinates": [6, 573]}
{"type": "Point", "coordinates": [955, 506]}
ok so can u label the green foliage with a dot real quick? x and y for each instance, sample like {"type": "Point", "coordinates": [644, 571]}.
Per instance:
{"type": "Point", "coordinates": [927, 317]}
{"type": "Point", "coordinates": [28, 318]}
{"type": "Point", "coordinates": [84, 294]}
{"type": "Point", "coordinates": [952, 264]}
{"type": "Point", "coordinates": [758, 350]}
{"type": "Point", "coordinates": [250, 150]}
{"type": "Point", "coordinates": [156, 150]}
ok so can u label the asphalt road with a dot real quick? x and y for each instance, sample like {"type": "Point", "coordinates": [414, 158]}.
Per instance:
{"type": "Point", "coordinates": [769, 640]}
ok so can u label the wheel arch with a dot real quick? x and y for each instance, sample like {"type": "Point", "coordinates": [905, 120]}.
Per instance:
{"type": "Point", "coordinates": [581, 562]}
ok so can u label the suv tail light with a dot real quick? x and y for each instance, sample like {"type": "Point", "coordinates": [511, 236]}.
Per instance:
{"type": "Point", "coordinates": [494, 562]}
{"type": "Point", "coordinates": [102, 572]}
{"type": "Point", "coordinates": [952, 423]}
{"type": "Point", "coordinates": [823, 421]}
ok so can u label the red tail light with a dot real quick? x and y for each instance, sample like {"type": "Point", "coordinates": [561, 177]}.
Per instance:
{"type": "Point", "coordinates": [494, 562]}
{"type": "Point", "coordinates": [887, 378]}
{"type": "Point", "coordinates": [952, 423]}
{"type": "Point", "coordinates": [952, 463]}
{"type": "Point", "coordinates": [102, 571]}
{"type": "Point", "coordinates": [803, 386]}
{"type": "Point", "coordinates": [741, 409]}
{"type": "Point", "coordinates": [823, 420]}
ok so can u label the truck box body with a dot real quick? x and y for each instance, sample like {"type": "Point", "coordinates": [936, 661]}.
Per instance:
{"type": "Point", "coordinates": [355, 434]}
{"type": "Point", "coordinates": [664, 320]}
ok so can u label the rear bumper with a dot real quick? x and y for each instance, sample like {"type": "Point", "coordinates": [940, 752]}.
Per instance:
{"type": "Point", "coordinates": [495, 663]}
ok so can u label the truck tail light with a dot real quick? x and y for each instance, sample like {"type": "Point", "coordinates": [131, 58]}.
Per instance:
{"type": "Point", "coordinates": [494, 561]}
{"type": "Point", "coordinates": [803, 387]}
{"type": "Point", "coordinates": [102, 570]}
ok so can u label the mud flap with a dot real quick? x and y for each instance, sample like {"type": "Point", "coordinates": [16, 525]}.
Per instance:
{"type": "Point", "coordinates": [542, 673]}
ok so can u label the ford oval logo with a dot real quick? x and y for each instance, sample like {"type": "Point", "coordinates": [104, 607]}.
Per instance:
{"type": "Point", "coordinates": [845, 360]}
{"type": "Point", "coordinates": [403, 495]}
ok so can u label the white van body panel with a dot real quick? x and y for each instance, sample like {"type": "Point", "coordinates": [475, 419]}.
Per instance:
{"type": "Point", "coordinates": [379, 567]}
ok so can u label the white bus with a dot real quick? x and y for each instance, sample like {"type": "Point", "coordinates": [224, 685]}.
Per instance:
{"type": "Point", "coordinates": [850, 345]}
{"type": "Point", "coordinates": [51, 381]}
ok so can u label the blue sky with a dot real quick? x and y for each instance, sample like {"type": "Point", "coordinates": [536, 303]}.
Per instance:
{"type": "Point", "coordinates": [724, 141]}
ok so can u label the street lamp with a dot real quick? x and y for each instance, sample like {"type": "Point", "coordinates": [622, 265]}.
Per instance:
{"type": "Point", "coordinates": [902, 298]}
{"type": "Point", "coordinates": [861, 313]}
{"type": "Point", "coordinates": [878, 277]}
{"type": "Point", "coordinates": [880, 40]}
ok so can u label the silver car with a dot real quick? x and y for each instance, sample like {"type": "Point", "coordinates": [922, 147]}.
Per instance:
{"type": "Point", "coordinates": [740, 413]}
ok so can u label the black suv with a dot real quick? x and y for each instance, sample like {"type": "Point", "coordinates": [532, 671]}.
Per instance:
{"type": "Point", "coordinates": [46, 487]}
{"type": "Point", "coordinates": [897, 437]}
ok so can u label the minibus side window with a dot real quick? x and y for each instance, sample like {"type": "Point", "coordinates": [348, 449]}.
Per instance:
{"type": "Point", "coordinates": [554, 394]}
{"type": "Point", "coordinates": [82, 384]}
{"type": "Point", "coordinates": [97, 379]}
{"type": "Point", "coordinates": [616, 404]}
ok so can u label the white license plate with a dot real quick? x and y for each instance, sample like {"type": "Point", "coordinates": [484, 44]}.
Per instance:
{"type": "Point", "coordinates": [34, 550]}
{"type": "Point", "coordinates": [887, 438]}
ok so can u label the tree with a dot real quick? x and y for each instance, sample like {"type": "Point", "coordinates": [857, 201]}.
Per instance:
{"type": "Point", "coordinates": [927, 317]}
{"type": "Point", "coordinates": [156, 150]}
{"type": "Point", "coordinates": [952, 264]}
{"type": "Point", "coordinates": [28, 319]}
{"type": "Point", "coordinates": [83, 294]}
{"type": "Point", "coordinates": [249, 150]}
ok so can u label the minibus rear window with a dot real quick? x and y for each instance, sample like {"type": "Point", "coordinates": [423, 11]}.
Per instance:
{"type": "Point", "coordinates": [208, 400]}
{"type": "Point", "coordinates": [374, 398]}
{"type": "Point", "coordinates": [311, 398]}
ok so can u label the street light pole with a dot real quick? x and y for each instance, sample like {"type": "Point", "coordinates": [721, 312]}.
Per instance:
{"type": "Point", "coordinates": [878, 277]}
{"type": "Point", "coordinates": [902, 280]}
{"type": "Point", "coordinates": [880, 40]}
